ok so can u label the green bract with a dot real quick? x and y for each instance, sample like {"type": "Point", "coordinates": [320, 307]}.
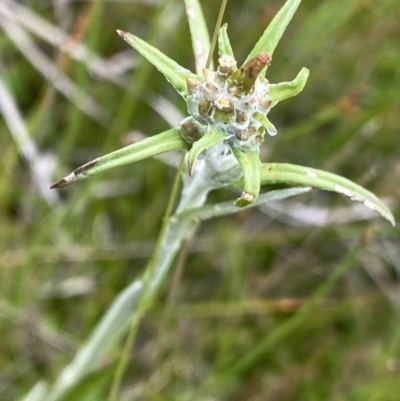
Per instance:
{"type": "Point", "coordinates": [228, 111]}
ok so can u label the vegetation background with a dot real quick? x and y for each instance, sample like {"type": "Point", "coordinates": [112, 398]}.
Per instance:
{"type": "Point", "coordinates": [227, 309]}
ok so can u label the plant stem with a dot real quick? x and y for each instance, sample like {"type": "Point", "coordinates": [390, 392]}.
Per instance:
{"type": "Point", "coordinates": [169, 241]}
{"type": "Point", "coordinates": [216, 29]}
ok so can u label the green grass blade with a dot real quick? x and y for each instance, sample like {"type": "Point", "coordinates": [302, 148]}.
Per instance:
{"type": "Point", "coordinates": [250, 164]}
{"type": "Point", "coordinates": [152, 146]}
{"type": "Point", "coordinates": [37, 393]}
{"type": "Point", "coordinates": [284, 90]}
{"type": "Point", "coordinates": [199, 33]}
{"type": "Point", "coordinates": [91, 387]}
{"type": "Point", "coordinates": [271, 36]}
{"type": "Point", "coordinates": [299, 175]}
{"type": "Point", "coordinates": [174, 73]}
{"type": "Point", "coordinates": [224, 45]}
{"type": "Point", "coordinates": [281, 332]}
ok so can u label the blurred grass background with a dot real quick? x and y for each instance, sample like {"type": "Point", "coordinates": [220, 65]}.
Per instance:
{"type": "Point", "coordinates": [65, 255]}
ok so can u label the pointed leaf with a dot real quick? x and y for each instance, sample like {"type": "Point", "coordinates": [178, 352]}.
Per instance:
{"type": "Point", "coordinates": [224, 208]}
{"type": "Point", "coordinates": [284, 90]}
{"type": "Point", "coordinates": [210, 138]}
{"type": "Point", "coordinates": [173, 72]}
{"type": "Point", "coordinates": [224, 45]}
{"type": "Point", "coordinates": [293, 174]}
{"type": "Point", "coordinates": [250, 164]}
{"type": "Point", "coordinates": [152, 146]}
{"type": "Point", "coordinates": [265, 122]}
{"type": "Point", "coordinates": [271, 36]}
{"type": "Point", "coordinates": [199, 34]}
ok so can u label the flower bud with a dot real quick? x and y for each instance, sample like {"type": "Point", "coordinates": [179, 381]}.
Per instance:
{"type": "Point", "coordinates": [247, 74]}
{"type": "Point", "coordinates": [241, 117]}
{"type": "Point", "coordinates": [192, 130]}
{"type": "Point", "coordinates": [192, 85]}
{"type": "Point", "coordinates": [227, 65]}
{"type": "Point", "coordinates": [207, 74]}
{"type": "Point", "coordinates": [265, 103]}
{"type": "Point", "coordinates": [205, 108]}
{"type": "Point", "coordinates": [247, 133]}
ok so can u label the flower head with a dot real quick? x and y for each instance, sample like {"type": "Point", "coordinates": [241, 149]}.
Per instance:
{"type": "Point", "coordinates": [232, 99]}
{"type": "Point", "coordinates": [228, 106]}
{"type": "Point", "coordinates": [227, 121]}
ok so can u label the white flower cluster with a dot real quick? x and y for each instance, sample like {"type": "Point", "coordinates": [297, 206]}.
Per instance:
{"type": "Point", "coordinates": [222, 99]}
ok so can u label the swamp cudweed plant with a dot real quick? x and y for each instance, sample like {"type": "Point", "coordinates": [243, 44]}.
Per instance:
{"type": "Point", "coordinates": [227, 123]}
{"type": "Point", "coordinates": [227, 107]}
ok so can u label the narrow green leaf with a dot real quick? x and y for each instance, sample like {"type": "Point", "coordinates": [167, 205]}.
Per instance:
{"type": "Point", "coordinates": [250, 164]}
{"type": "Point", "coordinates": [107, 332]}
{"type": "Point", "coordinates": [38, 392]}
{"type": "Point", "coordinates": [284, 90]}
{"type": "Point", "coordinates": [271, 36]}
{"type": "Point", "coordinates": [265, 122]}
{"type": "Point", "coordinates": [173, 72]}
{"type": "Point", "coordinates": [152, 146]}
{"type": "Point", "coordinates": [224, 208]}
{"type": "Point", "coordinates": [210, 138]}
{"type": "Point", "coordinates": [260, 351]}
{"type": "Point", "coordinates": [199, 33]}
{"type": "Point", "coordinates": [224, 45]}
{"type": "Point", "coordinates": [300, 175]}
{"type": "Point", "coordinates": [90, 387]}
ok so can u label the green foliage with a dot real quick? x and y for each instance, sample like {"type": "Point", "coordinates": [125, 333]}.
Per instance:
{"type": "Point", "coordinates": [65, 256]}
{"type": "Point", "coordinates": [174, 73]}
{"type": "Point", "coordinates": [224, 45]}
{"type": "Point", "coordinates": [149, 147]}
{"type": "Point", "coordinates": [273, 34]}
{"type": "Point", "coordinates": [289, 173]}
{"type": "Point", "coordinates": [198, 33]}
{"type": "Point", "coordinates": [211, 138]}
{"type": "Point", "coordinates": [250, 164]}
{"type": "Point", "coordinates": [284, 90]}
